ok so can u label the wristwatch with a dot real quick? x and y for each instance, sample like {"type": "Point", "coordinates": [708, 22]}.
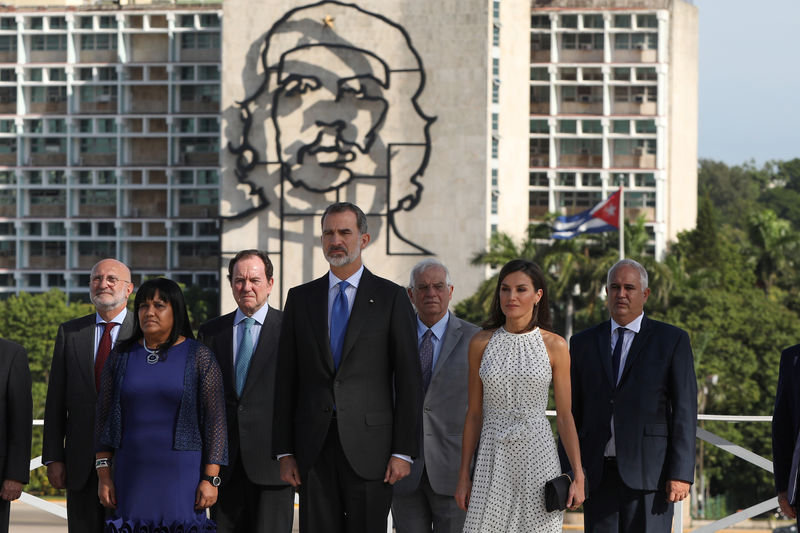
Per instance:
{"type": "Point", "coordinates": [214, 480]}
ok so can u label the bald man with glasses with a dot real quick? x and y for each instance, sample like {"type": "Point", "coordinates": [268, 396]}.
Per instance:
{"type": "Point", "coordinates": [80, 350]}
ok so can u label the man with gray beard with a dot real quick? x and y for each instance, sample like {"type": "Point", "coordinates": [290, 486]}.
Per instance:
{"type": "Point", "coordinates": [81, 348]}
{"type": "Point", "coordinates": [349, 387]}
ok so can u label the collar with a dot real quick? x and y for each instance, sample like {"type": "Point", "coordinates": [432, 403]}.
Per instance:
{"type": "Point", "coordinates": [259, 315]}
{"type": "Point", "coordinates": [353, 280]}
{"type": "Point", "coordinates": [119, 319]}
{"type": "Point", "coordinates": [634, 325]}
{"type": "Point", "coordinates": [438, 329]}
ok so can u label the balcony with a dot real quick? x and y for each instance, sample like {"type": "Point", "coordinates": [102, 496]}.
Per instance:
{"type": "Point", "coordinates": [590, 55]}
{"type": "Point", "coordinates": [540, 160]}
{"type": "Point", "coordinates": [581, 160]}
{"type": "Point", "coordinates": [589, 107]}
{"type": "Point", "coordinates": [634, 161]}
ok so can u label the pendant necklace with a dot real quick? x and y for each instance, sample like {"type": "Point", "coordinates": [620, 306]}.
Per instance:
{"type": "Point", "coordinates": [152, 355]}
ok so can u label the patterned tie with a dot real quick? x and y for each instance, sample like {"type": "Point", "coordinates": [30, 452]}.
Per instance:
{"type": "Point", "coordinates": [339, 317]}
{"type": "Point", "coordinates": [617, 355]}
{"type": "Point", "coordinates": [426, 359]}
{"type": "Point", "coordinates": [102, 352]}
{"type": "Point", "coordinates": [244, 355]}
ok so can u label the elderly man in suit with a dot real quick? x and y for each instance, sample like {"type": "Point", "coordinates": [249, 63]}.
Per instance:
{"type": "Point", "coordinates": [424, 499]}
{"type": "Point", "coordinates": [347, 402]}
{"type": "Point", "coordinates": [81, 348]}
{"type": "Point", "coordinates": [16, 413]}
{"type": "Point", "coordinates": [785, 431]}
{"type": "Point", "coordinates": [635, 406]}
{"type": "Point", "coordinates": [252, 497]}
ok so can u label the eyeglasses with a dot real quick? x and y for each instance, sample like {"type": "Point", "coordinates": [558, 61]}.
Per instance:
{"type": "Point", "coordinates": [438, 287]}
{"type": "Point", "coordinates": [111, 280]}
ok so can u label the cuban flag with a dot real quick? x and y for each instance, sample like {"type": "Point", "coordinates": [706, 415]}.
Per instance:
{"type": "Point", "coordinates": [602, 217]}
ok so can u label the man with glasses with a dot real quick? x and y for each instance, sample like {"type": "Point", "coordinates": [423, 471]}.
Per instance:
{"type": "Point", "coordinates": [424, 499]}
{"type": "Point", "coordinates": [81, 348]}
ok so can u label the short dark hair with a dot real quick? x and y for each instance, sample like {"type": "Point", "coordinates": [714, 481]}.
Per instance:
{"type": "Point", "coordinates": [244, 254]}
{"type": "Point", "coordinates": [168, 291]}
{"type": "Point", "coordinates": [341, 207]}
{"type": "Point", "coordinates": [541, 311]}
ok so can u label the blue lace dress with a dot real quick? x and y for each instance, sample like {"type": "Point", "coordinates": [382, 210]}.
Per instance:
{"type": "Point", "coordinates": [154, 480]}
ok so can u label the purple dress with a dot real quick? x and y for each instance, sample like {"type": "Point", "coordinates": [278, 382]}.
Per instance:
{"type": "Point", "coordinates": [155, 484]}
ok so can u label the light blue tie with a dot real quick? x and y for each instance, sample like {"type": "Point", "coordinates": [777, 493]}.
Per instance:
{"type": "Point", "coordinates": [339, 316]}
{"type": "Point", "coordinates": [244, 355]}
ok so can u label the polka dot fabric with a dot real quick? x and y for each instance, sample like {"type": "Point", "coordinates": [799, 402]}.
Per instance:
{"type": "Point", "coordinates": [517, 451]}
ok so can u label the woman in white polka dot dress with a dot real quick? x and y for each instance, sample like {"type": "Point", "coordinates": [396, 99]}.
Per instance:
{"type": "Point", "coordinates": [511, 363]}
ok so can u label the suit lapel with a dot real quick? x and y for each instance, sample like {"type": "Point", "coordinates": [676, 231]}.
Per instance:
{"type": "Point", "coordinates": [362, 307]}
{"type": "Point", "coordinates": [604, 349]}
{"type": "Point", "coordinates": [318, 318]}
{"type": "Point", "coordinates": [126, 328]}
{"type": "Point", "coordinates": [84, 352]}
{"type": "Point", "coordinates": [639, 342]}
{"type": "Point", "coordinates": [223, 342]}
{"type": "Point", "coordinates": [452, 335]}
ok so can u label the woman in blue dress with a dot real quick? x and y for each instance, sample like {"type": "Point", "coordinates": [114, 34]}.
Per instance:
{"type": "Point", "coordinates": [160, 430]}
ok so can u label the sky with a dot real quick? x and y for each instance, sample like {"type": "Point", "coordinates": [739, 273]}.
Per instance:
{"type": "Point", "coordinates": [749, 93]}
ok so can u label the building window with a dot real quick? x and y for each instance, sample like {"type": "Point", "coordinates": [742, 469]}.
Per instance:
{"type": "Point", "coordinates": [48, 145]}
{"type": "Point", "coordinates": [186, 21]}
{"type": "Point", "coordinates": [57, 74]}
{"type": "Point", "coordinates": [495, 35]}
{"type": "Point", "coordinates": [646, 74]}
{"type": "Point", "coordinates": [48, 197]}
{"type": "Point", "coordinates": [7, 126]}
{"type": "Point", "coordinates": [565, 179]}
{"type": "Point", "coordinates": [495, 121]}
{"type": "Point", "coordinates": [645, 126]}
{"type": "Point", "coordinates": [581, 147]}
{"type": "Point", "coordinates": [593, 21]}
{"type": "Point", "coordinates": [495, 92]}
{"type": "Point", "coordinates": [591, 179]}
{"type": "Point", "coordinates": [539, 74]}
{"type": "Point", "coordinates": [208, 72]}
{"type": "Point", "coordinates": [99, 93]}
{"type": "Point", "coordinates": [591, 74]}
{"type": "Point", "coordinates": [207, 177]}
{"type": "Point", "coordinates": [591, 126]}
{"type": "Point", "coordinates": [645, 180]}
{"type": "Point", "coordinates": [8, 43]}
{"type": "Point", "coordinates": [58, 23]}
{"type": "Point", "coordinates": [98, 197]}
{"type": "Point", "coordinates": [495, 147]}
{"type": "Point", "coordinates": [647, 21]}
{"type": "Point", "coordinates": [8, 74]}
{"type": "Point", "coordinates": [8, 197]}
{"type": "Point", "coordinates": [540, 21]}
{"type": "Point", "coordinates": [538, 199]}
{"type": "Point", "coordinates": [621, 126]}
{"type": "Point", "coordinates": [580, 199]}
{"type": "Point", "coordinates": [569, 21]}
{"type": "Point", "coordinates": [640, 199]}
{"type": "Point", "coordinates": [8, 146]}
{"type": "Point", "coordinates": [98, 145]}
{"type": "Point", "coordinates": [209, 21]}
{"type": "Point", "coordinates": [539, 126]}
{"type": "Point", "coordinates": [106, 22]}
{"type": "Point", "coordinates": [198, 197]}
{"type": "Point", "coordinates": [49, 42]}
{"type": "Point", "coordinates": [538, 179]}
{"type": "Point", "coordinates": [493, 206]}
{"type": "Point", "coordinates": [496, 9]}
{"type": "Point", "coordinates": [199, 93]}
{"type": "Point", "coordinates": [621, 74]}
{"type": "Point", "coordinates": [636, 41]}
{"type": "Point", "coordinates": [197, 40]}
{"type": "Point", "coordinates": [622, 21]}
{"type": "Point", "coordinates": [495, 66]}
{"type": "Point", "coordinates": [8, 23]}
{"type": "Point", "coordinates": [99, 41]}
{"type": "Point", "coordinates": [48, 248]}
{"type": "Point", "coordinates": [97, 248]}
{"type": "Point", "coordinates": [568, 126]}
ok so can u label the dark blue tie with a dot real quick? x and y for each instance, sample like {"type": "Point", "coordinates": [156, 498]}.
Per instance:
{"type": "Point", "coordinates": [339, 316]}
{"type": "Point", "coordinates": [617, 355]}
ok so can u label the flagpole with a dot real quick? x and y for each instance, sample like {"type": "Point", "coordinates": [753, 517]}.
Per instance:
{"type": "Point", "coordinates": [621, 222]}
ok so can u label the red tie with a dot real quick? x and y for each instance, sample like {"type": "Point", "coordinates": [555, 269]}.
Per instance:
{"type": "Point", "coordinates": [102, 353]}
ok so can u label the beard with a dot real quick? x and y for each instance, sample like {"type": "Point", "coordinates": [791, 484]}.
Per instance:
{"type": "Point", "coordinates": [341, 260]}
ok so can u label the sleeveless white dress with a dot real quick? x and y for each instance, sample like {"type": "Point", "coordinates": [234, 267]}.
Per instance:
{"type": "Point", "coordinates": [517, 452]}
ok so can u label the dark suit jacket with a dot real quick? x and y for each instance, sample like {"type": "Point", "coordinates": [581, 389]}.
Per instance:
{"type": "Point", "coordinates": [786, 422]}
{"type": "Point", "coordinates": [654, 405]}
{"type": "Point", "coordinates": [376, 391]}
{"type": "Point", "coordinates": [443, 412]}
{"type": "Point", "coordinates": [71, 397]}
{"type": "Point", "coordinates": [249, 417]}
{"type": "Point", "coordinates": [16, 412]}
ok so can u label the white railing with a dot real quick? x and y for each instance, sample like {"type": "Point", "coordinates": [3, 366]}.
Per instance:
{"type": "Point", "coordinates": [677, 525]}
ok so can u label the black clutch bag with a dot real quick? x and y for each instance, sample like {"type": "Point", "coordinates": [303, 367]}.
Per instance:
{"type": "Point", "coordinates": [557, 489]}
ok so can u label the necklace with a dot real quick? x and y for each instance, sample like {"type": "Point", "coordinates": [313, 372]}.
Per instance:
{"type": "Point", "coordinates": [153, 356]}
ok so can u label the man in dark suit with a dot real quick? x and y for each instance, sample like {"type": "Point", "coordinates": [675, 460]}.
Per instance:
{"type": "Point", "coordinates": [785, 429]}
{"type": "Point", "coordinates": [16, 413]}
{"type": "Point", "coordinates": [347, 401]}
{"type": "Point", "coordinates": [252, 497]}
{"type": "Point", "coordinates": [425, 497]}
{"type": "Point", "coordinates": [634, 398]}
{"type": "Point", "coordinates": [80, 350]}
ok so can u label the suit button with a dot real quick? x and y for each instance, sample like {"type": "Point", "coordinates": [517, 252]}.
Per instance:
{"type": "Point", "coordinates": [427, 409]}
{"type": "Point", "coordinates": [337, 383]}
{"type": "Point", "coordinates": [326, 410]}
{"type": "Point", "coordinates": [611, 402]}
{"type": "Point", "coordinates": [242, 409]}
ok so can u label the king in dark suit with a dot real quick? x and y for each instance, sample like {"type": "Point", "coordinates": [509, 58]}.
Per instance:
{"type": "Point", "coordinates": [785, 431]}
{"type": "Point", "coordinates": [424, 499]}
{"type": "Point", "coordinates": [635, 407]}
{"type": "Point", "coordinates": [78, 354]}
{"type": "Point", "coordinates": [252, 497]}
{"type": "Point", "coordinates": [16, 412]}
{"type": "Point", "coordinates": [347, 401]}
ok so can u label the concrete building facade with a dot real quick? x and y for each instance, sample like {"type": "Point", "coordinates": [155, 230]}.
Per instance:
{"type": "Point", "coordinates": [109, 142]}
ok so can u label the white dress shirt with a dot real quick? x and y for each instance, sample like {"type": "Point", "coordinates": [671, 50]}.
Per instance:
{"type": "Point", "coordinates": [100, 326]}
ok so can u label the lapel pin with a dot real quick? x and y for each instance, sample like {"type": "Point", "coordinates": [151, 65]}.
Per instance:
{"type": "Point", "coordinates": [371, 301]}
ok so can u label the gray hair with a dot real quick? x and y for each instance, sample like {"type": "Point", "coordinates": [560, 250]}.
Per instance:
{"type": "Point", "coordinates": [630, 263]}
{"type": "Point", "coordinates": [424, 265]}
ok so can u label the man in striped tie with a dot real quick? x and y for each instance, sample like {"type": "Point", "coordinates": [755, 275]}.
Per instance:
{"type": "Point", "coordinates": [252, 497]}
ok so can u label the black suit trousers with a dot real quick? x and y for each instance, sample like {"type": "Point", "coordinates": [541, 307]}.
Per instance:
{"type": "Point", "coordinates": [245, 507]}
{"type": "Point", "coordinates": [84, 512]}
{"type": "Point", "coordinates": [616, 508]}
{"type": "Point", "coordinates": [334, 499]}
